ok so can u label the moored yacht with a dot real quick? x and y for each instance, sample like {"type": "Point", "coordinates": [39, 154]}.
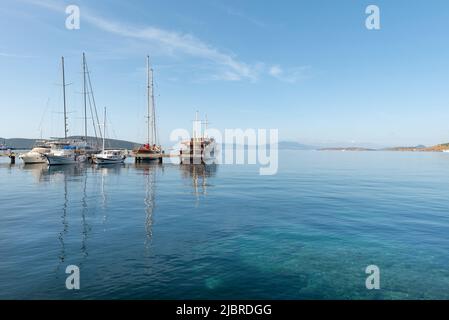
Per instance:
{"type": "Point", "coordinates": [4, 147]}
{"type": "Point", "coordinates": [70, 150]}
{"type": "Point", "coordinates": [37, 154]}
{"type": "Point", "coordinates": [150, 151]}
{"type": "Point", "coordinates": [200, 148]}
{"type": "Point", "coordinates": [66, 152]}
{"type": "Point", "coordinates": [108, 156]}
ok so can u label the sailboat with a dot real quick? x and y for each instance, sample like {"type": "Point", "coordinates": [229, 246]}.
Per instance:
{"type": "Point", "coordinates": [4, 147]}
{"type": "Point", "coordinates": [108, 156]}
{"type": "Point", "coordinates": [150, 151]}
{"type": "Point", "coordinates": [66, 151]}
{"type": "Point", "coordinates": [200, 148]}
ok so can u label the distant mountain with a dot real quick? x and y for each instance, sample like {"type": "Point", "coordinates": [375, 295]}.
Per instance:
{"type": "Point", "coordinates": [416, 148]}
{"type": "Point", "coordinates": [437, 148]}
{"type": "Point", "coordinates": [282, 145]}
{"type": "Point", "coordinates": [21, 143]}
{"type": "Point", "coordinates": [351, 144]}
{"type": "Point", "coordinates": [291, 145]}
{"type": "Point", "coordinates": [18, 143]}
{"type": "Point", "coordinates": [112, 143]}
{"type": "Point", "coordinates": [24, 144]}
{"type": "Point", "coordinates": [347, 149]}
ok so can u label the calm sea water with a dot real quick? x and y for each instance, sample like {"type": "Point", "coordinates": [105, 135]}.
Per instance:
{"type": "Point", "coordinates": [170, 231]}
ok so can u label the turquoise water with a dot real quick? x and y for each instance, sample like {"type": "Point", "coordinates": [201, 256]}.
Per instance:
{"type": "Point", "coordinates": [221, 232]}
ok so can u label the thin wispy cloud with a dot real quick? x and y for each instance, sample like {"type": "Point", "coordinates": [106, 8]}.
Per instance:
{"type": "Point", "coordinates": [292, 75]}
{"type": "Point", "coordinates": [229, 67]}
{"type": "Point", "coordinates": [239, 14]}
{"type": "Point", "coordinates": [176, 42]}
{"type": "Point", "coordinates": [14, 55]}
{"type": "Point", "coordinates": [234, 12]}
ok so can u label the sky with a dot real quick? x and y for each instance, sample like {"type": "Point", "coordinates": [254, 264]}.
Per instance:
{"type": "Point", "coordinates": [308, 68]}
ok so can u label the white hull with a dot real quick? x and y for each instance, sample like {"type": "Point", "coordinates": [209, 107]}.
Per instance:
{"type": "Point", "coordinates": [56, 160]}
{"type": "Point", "coordinates": [33, 158]}
{"type": "Point", "coordinates": [109, 157]}
{"type": "Point", "coordinates": [99, 160]}
{"type": "Point", "coordinates": [60, 160]}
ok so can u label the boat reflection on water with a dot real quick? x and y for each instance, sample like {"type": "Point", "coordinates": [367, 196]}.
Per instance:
{"type": "Point", "coordinates": [37, 170]}
{"type": "Point", "coordinates": [149, 172]}
{"type": "Point", "coordinates": [82, 203]}
{"type": "Point", "coordinates": [70, 199]}
{"type": "Point", "coordinates": [65, 226]}
{"type": "Point", "coordinates": [110, 169]}
{"type": "Point", "coordinates": [199, 173]}
{"type": "Point", "coordinates": [44, 172]}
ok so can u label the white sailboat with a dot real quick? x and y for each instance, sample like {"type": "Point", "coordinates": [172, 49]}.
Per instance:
{"type": "Point", "coordinates": [60, 156]}
{"type": "Point", "coordinates": [108, 156]}
{"type": "Point", "coordinates": [66, 151]}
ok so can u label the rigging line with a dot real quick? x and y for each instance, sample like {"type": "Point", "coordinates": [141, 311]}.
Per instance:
{"type": "Point", "coordinates": [113, 131]}
{"type": "Point", "coordinates": [93, 118]}
{"type": "Point", "coordinates": [93, 99]}
{"type": "Point", "coordinates": [43, 116]}
{"type": "Point", "coordinates": [89, 102]}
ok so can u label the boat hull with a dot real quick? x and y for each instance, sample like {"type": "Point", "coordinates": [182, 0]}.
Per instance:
{"type": "Point", "coordinates": [64, 160]}
{"type": "Point", "coordinates": [100, 160]}
{"type": "Point", "coordinates": [58, 161]}
{"type": "Point", "coordinates": [148, 156]}
{"type": "Point", "coordinates": [33, 158]}
{"type": "Point", "coordinates": [195, 159]}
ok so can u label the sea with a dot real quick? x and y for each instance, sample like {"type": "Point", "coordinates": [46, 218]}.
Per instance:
{"type": "Point", "coordinates": [171, 231]}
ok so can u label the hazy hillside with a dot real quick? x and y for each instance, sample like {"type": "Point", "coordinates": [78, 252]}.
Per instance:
{"type": "Point", "coordinates": [288, 145]}
{"type": "Point", "coordinates": [437, 148]}
{"type": "Point", "coordinates": [21, 143]}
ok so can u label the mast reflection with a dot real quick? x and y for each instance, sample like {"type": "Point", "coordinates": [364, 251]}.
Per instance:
{"type": "Point", "coordinates": [199, 173]}
{"type": "Point", "coordinates": [149, 172]}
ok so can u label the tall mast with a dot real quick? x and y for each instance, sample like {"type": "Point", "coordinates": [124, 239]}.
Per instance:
{"type": "Point", "coordinates": [153, 108]}
{"type": "Point", "coordinates": [63, 96]}
{"type": "Point", "coordinates": [148, 98]}
{"type": "Point", "coordinates": [196, 127]}
{"type": "Point", "coordinates": [84, 94]}
{"type": "Point", "coordinates": [104, 127]}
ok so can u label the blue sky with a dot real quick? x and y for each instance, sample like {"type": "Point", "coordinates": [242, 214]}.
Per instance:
{"type": "Point", "coordinates": [309, 68]}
